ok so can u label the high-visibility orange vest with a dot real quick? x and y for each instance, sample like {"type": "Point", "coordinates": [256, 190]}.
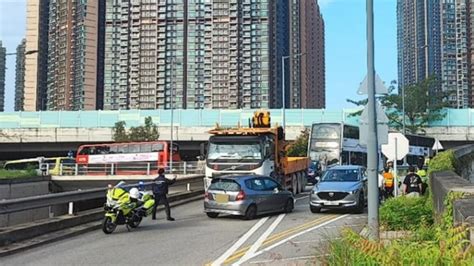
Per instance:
{"type": "Point", "coordinates": [388, 178]}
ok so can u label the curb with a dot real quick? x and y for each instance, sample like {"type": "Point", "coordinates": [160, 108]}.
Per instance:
{"type": "Point", "coordinates": [82, 228]}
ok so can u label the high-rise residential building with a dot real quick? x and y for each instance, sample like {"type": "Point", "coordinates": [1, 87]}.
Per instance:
{"type": "Point", "coordinates": [74, 53]}
{"type": "Point", "coordinates": [3, 67]}
{"type": "Point", "coordinates": [36, 60]}
{"type": "Point", "coordinates": [307, 89]}
{"type": "Point", "coordinates": [20, 76]}
{"type": "Point", "coordinates": [470, 50]}
{"type": "Point", "coordinates": [413, 40]}
{"type": "Point", "coordinates": [433, 41]}
{"type": "Point", "coordinates": [195, 53]}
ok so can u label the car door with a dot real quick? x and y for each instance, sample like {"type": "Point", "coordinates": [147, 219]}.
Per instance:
{"type": "Point", "coordinates": [261, 196]}
{"type": "Point", "coordinates": [277, 196]}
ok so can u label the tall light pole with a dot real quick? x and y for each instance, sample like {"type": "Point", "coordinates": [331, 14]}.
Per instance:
{"type": "Point", "coordinates": [372, 150]}
{"type": "Point", "coordinates": [173, 82]}
{"type": "Point", "coordinates": [283, 99]}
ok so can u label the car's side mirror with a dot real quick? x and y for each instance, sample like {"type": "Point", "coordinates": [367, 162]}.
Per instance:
{"type": "Point", "coordinates": [276, 190]}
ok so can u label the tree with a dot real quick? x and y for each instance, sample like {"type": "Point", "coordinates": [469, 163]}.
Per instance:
{"type": "Point", "coordinates": [146, 132]}
{"type": "Point", "coordinates": [299, 148]}
{"type": "Point", "coordinates": [119, 132]}
{"type": "Point", "coordinates": [420, 109]}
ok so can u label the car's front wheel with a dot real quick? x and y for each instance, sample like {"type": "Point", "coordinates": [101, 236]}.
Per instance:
{"type": "Point", "coordinates": [360, 204]}
{"type": "Point", "coordinates": [315, 209]}
{"type": "Point", "coordinates": [290, 205]}
{"type": "Point", "coordinates": [212, 214]}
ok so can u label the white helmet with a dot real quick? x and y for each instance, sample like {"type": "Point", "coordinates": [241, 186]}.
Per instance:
{"type": "Point", "coordinates": [134, 193]}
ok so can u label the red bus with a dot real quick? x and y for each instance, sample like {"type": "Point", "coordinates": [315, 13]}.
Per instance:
{"type": "Point", "coordinates": [125, 158]}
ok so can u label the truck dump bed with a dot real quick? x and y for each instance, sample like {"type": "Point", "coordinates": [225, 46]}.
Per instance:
{"type": "Point", "coordinates": [295, 164]}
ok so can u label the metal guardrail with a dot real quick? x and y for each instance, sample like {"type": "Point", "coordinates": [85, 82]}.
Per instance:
{"type": "Point", "coordinates": [182, 167]}
{"type": "Point", "coordinates": [34, 202]}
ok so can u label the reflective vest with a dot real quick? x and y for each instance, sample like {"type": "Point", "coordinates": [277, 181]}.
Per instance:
{"type": "Point", "coordinates": [422, 174]}
{"type": "Point", "coordinates": [388, 179]}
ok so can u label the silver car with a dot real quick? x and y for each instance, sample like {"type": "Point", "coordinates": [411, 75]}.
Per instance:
{"type": "Point", "coordinates": [341, 187]}
{"type": "Point", "coordinates": [246, 196]}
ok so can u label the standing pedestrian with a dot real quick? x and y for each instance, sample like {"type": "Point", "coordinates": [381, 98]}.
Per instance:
{"type": "Point", "coordinates": [160, 189]}
{"type": "Point", "coordinates": [412, 185]}
{"type": "Point", "coordinates": [388, 181]}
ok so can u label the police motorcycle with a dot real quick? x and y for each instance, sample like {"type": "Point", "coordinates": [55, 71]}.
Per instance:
{"type": "Point", "coordinates": [125, 208]}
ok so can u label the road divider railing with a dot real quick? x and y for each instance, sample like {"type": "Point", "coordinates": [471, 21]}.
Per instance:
{"type": "Point", "coordinates": [131, 168]}
{"type": "Point", "coordinates": [12, 234]}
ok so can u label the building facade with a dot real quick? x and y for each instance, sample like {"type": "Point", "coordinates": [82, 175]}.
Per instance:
{"type": "Point", "coordinates": [20, 76]}
{"type": "Point", "coordinates": [433, 40]}
{"type": "Point", "coordinates": [307, 89]}
{"type": "Point", "coordinates": [3, 67]}
{"type": "Point", "coordinates": [36, 61]}
{"type": "Point", "coordinates": [197, 53]}
{"type": "Point", "coordinates": [73, 55]}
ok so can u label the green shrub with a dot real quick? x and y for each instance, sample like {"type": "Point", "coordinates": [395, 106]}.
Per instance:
{"type": "Point", "coordinates": [444, 161]}
{"type": "Point", "coordinates": [12, 174]}
{"type": "Point", "coordinates": [446, 247]}
{"type": "Point", "coordinates": [406, 213]}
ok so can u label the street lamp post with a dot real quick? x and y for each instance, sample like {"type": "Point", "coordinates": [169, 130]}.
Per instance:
{"type": "Point", "coordinates": [283, 103]}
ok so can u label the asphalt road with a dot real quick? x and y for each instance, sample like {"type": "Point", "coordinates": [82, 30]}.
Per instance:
{"type": "Point", "coordinates": [297, 238]}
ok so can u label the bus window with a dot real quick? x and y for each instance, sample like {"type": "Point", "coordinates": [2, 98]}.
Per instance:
{"type": "Point", "coordinates": [113, 149]}
{"type": "Point", "coordinates": [102, 150]}
{"type": "Point", "coordinates": [325, 132]}
{"type": "Point", "coordinates": [122, 149]}
{"type": "Point", "coordinates": [145, 148]}
{"type": "Point", "coordinates": [85, 151]}
{"type": "Point", "coordinates": [134, 148]}
{"type": "Point", "coordinates": [156, 147]}
{"type": "Point", "coordinates": [351, 132]}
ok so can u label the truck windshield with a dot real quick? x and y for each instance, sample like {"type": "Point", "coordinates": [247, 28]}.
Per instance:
{"type": "Point", "coordinates": [226, 151]}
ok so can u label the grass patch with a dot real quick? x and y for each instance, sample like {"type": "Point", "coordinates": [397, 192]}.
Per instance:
{"type": "Point", "coordinates": [405, 213]}
{"type": "Point", "coordinates": [16, 174]}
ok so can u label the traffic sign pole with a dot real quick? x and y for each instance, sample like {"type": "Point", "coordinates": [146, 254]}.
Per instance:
{"type": "Point", "coordinates": [395, 173]}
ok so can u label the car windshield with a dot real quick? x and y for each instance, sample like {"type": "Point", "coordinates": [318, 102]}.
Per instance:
{"type": "Point", "coordinates": [224, 184]}
{"type": "Point", "coordinates": [341, 175]}
{"type": "Point", "coordinates": [234, 151]}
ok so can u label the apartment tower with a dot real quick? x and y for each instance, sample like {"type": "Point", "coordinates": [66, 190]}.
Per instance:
{"type": "Point", "coordinates": [74, 53]}
{"type": "Point", "coordinates": [307, 89]}
{"type": "Point", "coordinates": [20, 76]}
{"type": "Point", "coordinates": [202, 54]}
{"type": "Point", "coordinates": [36, 60]}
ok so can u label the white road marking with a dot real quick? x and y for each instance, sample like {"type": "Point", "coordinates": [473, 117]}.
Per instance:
{"type": "Point", "coordinates": [260, 240]}
{"type": "Point", "coordinates": [302, 198]}
{"type": "Point", "coordinates": [239, 242]}
{"type": "Point", "coordinates": [293, 236]}
{"type": "Point", "coordinates": [286, 259]}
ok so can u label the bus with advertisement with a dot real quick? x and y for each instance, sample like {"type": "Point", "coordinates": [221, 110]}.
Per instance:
{"type": "Point", "coordinates": [338, 143]}
{"type": "Point", "coordinates": [128, 158]}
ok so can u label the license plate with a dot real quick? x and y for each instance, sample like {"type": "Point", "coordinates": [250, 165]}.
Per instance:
{"type": "Point", "coordinates": [222, 198]}
{"type": "Point", "coordinates": [332, 203]}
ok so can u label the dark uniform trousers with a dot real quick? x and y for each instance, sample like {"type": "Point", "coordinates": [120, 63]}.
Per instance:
{"type": "Point", "coordinates": [161, 199]}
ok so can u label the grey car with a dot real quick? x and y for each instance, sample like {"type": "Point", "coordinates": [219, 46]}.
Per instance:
{"type": "Point", "coordinates": [341, 187]}
{"type": "Point", "coordinates": [247, 196]}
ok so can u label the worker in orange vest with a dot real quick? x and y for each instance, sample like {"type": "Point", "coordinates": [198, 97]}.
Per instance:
{"type": "Point", "coordinates": [388, 181]}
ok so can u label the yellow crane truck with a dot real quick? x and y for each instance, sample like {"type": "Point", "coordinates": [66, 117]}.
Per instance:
{"type": "Point", "coordinates": [257, 149]}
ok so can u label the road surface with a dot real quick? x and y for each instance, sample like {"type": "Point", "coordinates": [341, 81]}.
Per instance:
{"type": "Point", "coordinates": [194, 239]}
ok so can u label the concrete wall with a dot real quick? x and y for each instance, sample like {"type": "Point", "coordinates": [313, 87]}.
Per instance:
{"type": "Point", "coordinates": [12, 189]}
{"type": "Point", "coordinates": [95, 135]}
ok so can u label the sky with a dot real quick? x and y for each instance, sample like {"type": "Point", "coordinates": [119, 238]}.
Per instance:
{"type": "Point", "coordinates": [345, 36]}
